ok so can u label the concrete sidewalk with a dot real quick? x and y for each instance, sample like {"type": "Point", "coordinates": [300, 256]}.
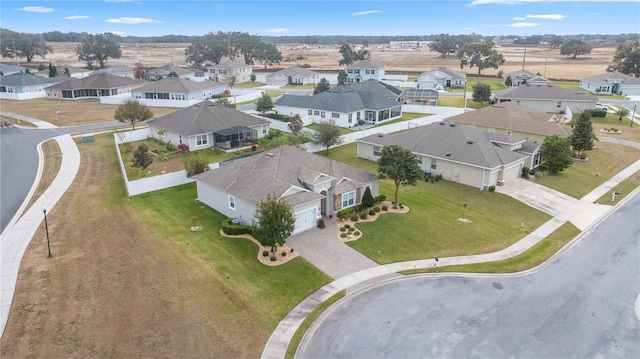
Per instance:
{"type": "Point", "coordinates": [16, 239]}
{"type": "Point", "coordinates": [582, 213]}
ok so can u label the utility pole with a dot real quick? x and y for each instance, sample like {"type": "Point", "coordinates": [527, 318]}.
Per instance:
{"type": "Point", "coordinates": [524, 58]}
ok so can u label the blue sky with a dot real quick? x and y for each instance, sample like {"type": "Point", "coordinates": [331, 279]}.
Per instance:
{"type": "Point", "coordinates": [328, 17]}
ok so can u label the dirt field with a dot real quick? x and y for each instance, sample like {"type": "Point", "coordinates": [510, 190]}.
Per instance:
{"type": "Point", "coordinates": [547, 62]}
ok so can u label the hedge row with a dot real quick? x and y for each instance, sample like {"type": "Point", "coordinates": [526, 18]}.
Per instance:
{"type": "Point", "coordinates": [345, 213]}
{"type": "Point", "coordinates": [236, 229]}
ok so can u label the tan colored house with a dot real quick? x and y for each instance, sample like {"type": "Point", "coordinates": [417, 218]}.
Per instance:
{"type": "Point", "coordinates": [459, 153]}
{"type": "Point", "coordinates": [516, 121]}
{"type": "Point", "coordinates": [224, 71]}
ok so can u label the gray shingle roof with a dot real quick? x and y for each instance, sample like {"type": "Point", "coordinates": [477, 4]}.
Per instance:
{"type": "Point", "coordinates": [365, 64]}
{"type": "Point", "coordinates": [114, 70]}
{"type": "Point", "coordinates": [178, 85]}
{"type": "Point", "coordinates": [205, 117]}
{"type": "Point", "coordinates": [452, 73]}
{"type": "Point", "coordinates": [452, 143]}
{"type": "Point", "coordinates": [544, 92]}
{"type": "Point", "coordinates": [510, 116]}
{"type": "Point", "coordinates": [276, 171]}
{"type": "Point", "coordinates": [293, 71]}
{"type": "Point", "coordinates": [339, 99]}
{"type": "Point", "coordinates": [98, 81]}
{"type": "Point", "coordinates": [230, 65]}
{"type": "Point", "coordinates": [377, 87]}
{"type": "Point", "coordinates": [167, 69]}
{"type": "Point", "coordinates": [22, 79]}
{"type": "Point", "coordinates": [611, 76]}
{"type": "Point", "coordinates": [9, 69]}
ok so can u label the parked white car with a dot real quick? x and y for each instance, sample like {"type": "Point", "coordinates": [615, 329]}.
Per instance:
{"type": "Point", "coordinates": [439, 88]}
{"type": "Point", "coordinates": [600, 106]}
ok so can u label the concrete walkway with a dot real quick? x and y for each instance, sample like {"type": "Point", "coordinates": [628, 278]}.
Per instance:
{"type": "Point", "coordinates": [582, 213]}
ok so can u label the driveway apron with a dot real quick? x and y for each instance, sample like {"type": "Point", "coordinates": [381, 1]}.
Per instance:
{"type": "Point", "coordinates": [537, 196]}
{"type": "Point", "coordinates": [323, 249]}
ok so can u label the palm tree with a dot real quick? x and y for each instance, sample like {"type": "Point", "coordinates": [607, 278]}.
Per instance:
{"type": "Point", "coordinates": [621, 112]}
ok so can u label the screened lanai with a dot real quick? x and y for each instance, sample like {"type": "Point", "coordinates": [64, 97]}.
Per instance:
{"type": "Point", "coordinates": [237, 136]}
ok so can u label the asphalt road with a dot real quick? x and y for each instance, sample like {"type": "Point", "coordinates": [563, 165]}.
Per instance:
{"type": "Point", "coordinates": [581, 306]}
{"type": "Point", "coordinates": [19, 162]}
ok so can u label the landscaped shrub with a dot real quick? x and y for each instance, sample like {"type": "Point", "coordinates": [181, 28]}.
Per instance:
{"type": "Point", "coordinates": [171, 147]}
{"type": "Point", "coordinates": [351, 229]}
{"type": "Point", "coordinates": [284, 253]}
{"type": "Point", "coordinates": [343, 235]}
{"type": "Point", "coordinates": [321, 223]}
{"type": "Point", "coordinates": [525, 172]}
{"type": "Point", "coordinates": [367, 198]}
{"type": "Point", "coordinates": [345, 213]}
{"type": "Point", "coordinates": [265, 253]}
{"type": "Point", "coordinates": [492, 188]}
{"type": "Point", "coordinates": [597, 113]}
{"type": "Point", "coordinates": [381, 198]}
{"type": "Point", "coordinates": [438, 178]}
{"type": "Point", "coordinates": [343, 229]}
{"type": "Point", "coordinates": [376, 209]}
{"type": "Point", "coordinates": [372, 212]}
{"type": "Point", "coordinates": [356, 233]}
{"type": "Point", "coordinates": [141, 157]}
{"type": "Point", "coordinates": [236, 229]}
{"type": "Point", "coordinates": [363, 215]}
{"type": "Point", "coordinates": [183, 147]}
{"type": "Point", "coordinates": [385, 208]}
{"type": "Point", "coordinates": [354, 218]}
{"type": "Point", "coordinates": [347, 225]}
{"type": "Point", "coordinates": [273, 258]}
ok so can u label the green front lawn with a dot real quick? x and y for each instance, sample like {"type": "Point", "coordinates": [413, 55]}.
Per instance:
{"type": "Point", "coordinates": [249, 84]}
{"type": "Point", "coordinates": [406, 116]}
{"type": "Point", "coordinates": [494, 82]}
{"type": "Point", "coordinates": [458, 101]}
{"type": "Point", "coordinates": [624, 188]}
{"type": "Point", "coordinates": [343, 130]}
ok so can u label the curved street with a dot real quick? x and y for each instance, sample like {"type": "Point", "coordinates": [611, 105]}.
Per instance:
{"type": "Point", "coordinates": [580, 305]}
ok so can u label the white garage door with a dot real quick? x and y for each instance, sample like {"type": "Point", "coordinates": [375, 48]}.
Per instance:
{"type": "Point", "coordinates": [305, 220]}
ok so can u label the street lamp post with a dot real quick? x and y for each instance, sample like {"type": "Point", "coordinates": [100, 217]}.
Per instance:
{"type": "Point", "coordinates": [633, 114]}
{"type": "Point", "coordinates": [58, 112]}
{"type": "Point", "coordinates": [46, 228]}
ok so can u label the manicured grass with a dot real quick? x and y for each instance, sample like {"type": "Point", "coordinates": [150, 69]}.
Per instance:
{"type": "Point", "coordinates": [494, 82]}
{"type": "Point", "coordinates": [301, 87]}
{"type": "Point", "coordinates": [343, 131]}
{"type": "Point", "coordinates": [306, 323]}
{"type": "Point", "coordinates": [406, 116]}
{"type": "Point", "coordinates": [432, 224]}
{"type": "Point", "coordinates": [168, 214]}
{"type": "Point", "coordinates": [16, 121]}
{"type": "Point", "coordinates": [531, 258]}
{"type": "Point", "coordinates": [624, 188]}
{"type": "Point", "coordinates": [582, 177]}
{"type": "Point", "coordinates": [566, 84]}
{"type": "Point", "coordinates": [611, 120]}
{"type": "Point", "coordinates": [270, 94]}
{"type": "Point", "coordinates": [246, 85]}
{"type": "Point", "coordinates": [458, 101]}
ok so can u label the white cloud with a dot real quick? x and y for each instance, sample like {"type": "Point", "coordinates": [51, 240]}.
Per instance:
{"type": "Point", "coordinates": [523, 24]}
{"type": "Point", "coordinates": [368, 12]}
{"type": "Point", "coordinates": [547, 17]}
{"type": "Point", "coordinates": [513, 2]}
{"type": "Point", "coordinates": [280, 29]}
{"type": "Point", "coordinates": [519, 18]}
{"type": "Point", "coordinates": [37, 9]}
{"type": "Point", "coordinates": [76, 17]}
{"type": "Point", "coordinates": [132, 20]}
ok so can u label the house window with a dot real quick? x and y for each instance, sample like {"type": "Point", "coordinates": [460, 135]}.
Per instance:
{"type": "Point", "coordinates": [350, 118]}
{"type": "Point", "coordinates": [335, 115]}
{"type": "Point", "coordinates": [433, 163]}
{"type": "Point", "coordinates": [358, 116]}
{"type": "Point", "coordinates": [264, 129]}
{"type": "Point", "coordinates": [201, 140]}
{"type": "Point", "coordinates": [322, 114]}
{"type": "Point", "coordinates": [492, 130]}
{"type": "Point", "coordinates": [377, 150]}
{"type": "Point", "coordinates": [316, 113]}
{"type": "Point", "coordinates": [232, 202]}
{"type": "Point", "coordinates": [348, 199]}
{"type": "Point", "coordinates": [509, 132]}
{"type": "Point", "coordinates": [310, 112]}
{"type": "Point", "coordinates": [559, 104]}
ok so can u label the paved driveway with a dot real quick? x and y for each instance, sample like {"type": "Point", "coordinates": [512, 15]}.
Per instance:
{"type": "Point", "coordinates": [323, 249]}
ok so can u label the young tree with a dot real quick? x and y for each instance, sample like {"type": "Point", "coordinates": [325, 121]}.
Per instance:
{"type": "Point", "coordinates": [252, 77]}
{"type": "Point", "coordinates": [232, 80]}
{"type": "Point", "coordinates": [264, 104]}
{"type": "Point", "coordinates": [342, 78]}
{"type": "Point", "coordinates": [627, 59]}
{"type": "Point", "coordinates": [621, 112]}
{"type": "Point", "coordinates": [480, 54]}
{"type": "Point", "coordinates": [195, 165]}
{"type": "Point", "coordinates": [349, 56]}
{"type": "Point", "coordinates": [53, 72]}
{"type": "Point", "coordinates": [399, 165]}
{"type": "Point", "coordinates": [141, 157]}
{"type": "Point", "coordinates": [138, 70]}
{"type": "Point", "coordinates": [322, 86]}
{"type": "Point", "coordinates": [98, 48]}
{"type": "Point", "coordinates": [575, 48]}
{"type": "Point", "coordinates": [132, 111]}
{"type": "Point", "coordinates": [583, 136]}
{"type": "Point", "coordinates": [274, 221]}
{"type": "Point", "coordinates": [327, 134]}
{"type": "Point", "coordinates": [556, 154]}
{"type": "Point", "coordinates": [367, 198]}
{"type": "Point", "coordinates": [508, 81]}
{"type": "Point", "coordinates": [481, 92]}
{"type": "Point", "coordinates": [225, 102]}
{"type": "Point", "coordinates": [295, 124]}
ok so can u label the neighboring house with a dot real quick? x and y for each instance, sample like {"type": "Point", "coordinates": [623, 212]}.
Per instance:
{"type": "Point", "coordinates": [344, 105]}
{"type": "Point", "coordinates": [364, 70]}
{"type": "Point", "coordinates": [312, 184]}
{"type": "Point", "coordinates": [516, 121]}
{"type": "Point", "coordinates": [224, 71]}
{"type": "Point", "coordinates": [66, 70]}
{"type": "Point", "coordinates": [176, 92]}
{"type": "Point", "coordinates": [122, 71]}
{"type": "Point", "coordinates": [612, 83]}
{"type": "Point", "coordinates": [208, 124]}
{"type": "Point", "coordinates": [377, 87]}
{"type": "Point", "coordinates": [458, 153]}
{"type": "Point", "coordinates": [547, 98]}
{"type": "Point", "coordinates": [292, 76]}
{"type": "Point", "coordinates": [21, 86]}
{"type": "Point", "coordinates": [419, 96]}
{"type": "Point", "coordinates": [523, 77]}
{"type": "Point", "coordinates": [166, 71]}
{"type": "Point", "coordinates": [93, 86]}
{"type": "Point", "coordinates": [8, 69]}
{"type": "Point", "coordinates": [442, 76]}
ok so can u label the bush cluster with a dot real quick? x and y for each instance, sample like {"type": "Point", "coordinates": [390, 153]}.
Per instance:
{"type": "Point", "coordinates": [372, 212]}
{"type": "Point", "coordinates": [597, 113]}
{"type": "Point", "coordinates": [183, 147]}
{"type": "Point", "coordinates": [363, 215]}
{"type": "Point", "coordinates": [354, 218]}
{"type": "Point", "coordinates": [236, 229]}
{"type": "Point", "coordinates": [385, 208]}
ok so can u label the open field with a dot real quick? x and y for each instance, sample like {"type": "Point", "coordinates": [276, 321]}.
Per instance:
{"type": "Point", "coordinates": [547, 62]}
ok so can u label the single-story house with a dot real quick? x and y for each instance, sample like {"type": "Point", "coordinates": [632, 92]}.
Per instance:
{"type": "Point", "coordinates": [458, 153]}
{"type": "Point", "coordinates": [516, 121]}
{"type": "Point", "coordinates": [419, 96]}
{"type": "Point", "coordinates": [346, 106]}
{"type": "Point", "coordinates": [9, 69]}
{"type": "Point", "coordinates": [224, 71]}
{"type": "Point", "coordinates": [292, 76]}
{"type": "Point", "coordinates": [612, 83]}
{"type": "Point", "coordinates": [523, 77]}
{"type": "Point", "coordinates": [364, 70]}
{"type": "Point", "coordinates": [208, 124]}
{"type": "Point", "coordinates": [171, 69]}
{"type": "Point", "coordinates": [98, 85]}
{"type": "Point", "coordinates": [22, 86]}
{"type": "Point", "coordinates": [442, 76]}
{"type": "Point", "coordinates": [377, 87]}
{"type": "Point", "coordinates": [312, 184]}
{"type": "Point", "coordinates": [176, 92]}
{"type": "Point", "coordinates": [122, 71]}
{"type": "Point", "coordinates": [547, 98]}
